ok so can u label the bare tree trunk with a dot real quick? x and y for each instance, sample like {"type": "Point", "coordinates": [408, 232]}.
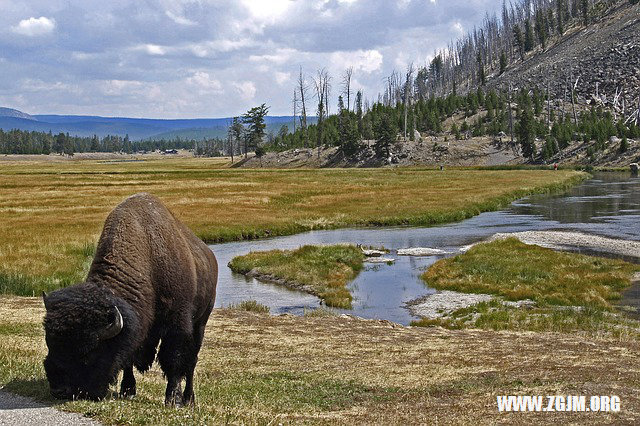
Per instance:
{"type": "Point", "coordinates": [573, 100]}
{"type": "Point", "coordinates": [407, 101]}
{"type": "Point", "coordinates": [510, 115]}
{"type": "Point", "coordinates": [295, 109]}
{"type": "Point", "coordinates": [548, 107]}
{"type": "Point", "coordinates": [346, 86]}
{"type": "Point", "coordinates": [302, 87]}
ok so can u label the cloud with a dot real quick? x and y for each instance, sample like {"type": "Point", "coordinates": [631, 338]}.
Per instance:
{"type": "Point", "coordinates": [366, 61]}
{"type": "Point", "coordinates": [246, 89]}
{"type": "Point", "coordinates": [204, 81]}
{"type": "Point", "coordinates": [34, 27]}
{"type": "Point", "coordinates": [178, 19]}
{"type": "Point", "coordinates": [210, 58]}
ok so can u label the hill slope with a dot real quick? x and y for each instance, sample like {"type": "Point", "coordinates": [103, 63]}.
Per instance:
{"type": "Point", "coordinates": [606, 54]}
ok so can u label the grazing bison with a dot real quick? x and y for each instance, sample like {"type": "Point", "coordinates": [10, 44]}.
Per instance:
{"type": "Point", "coordinates": [151, 281]}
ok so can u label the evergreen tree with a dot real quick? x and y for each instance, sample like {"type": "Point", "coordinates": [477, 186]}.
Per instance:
{"type": "Point", "coordinates": [584, 9]}
{"type": "Point", "coordinates": [503, 63]}
{"type": "Point", "coordinates": [560, 15]}
{"type": "Point", "coordinates": [529, 40]}
{"type": "Point", "coordinates": [519, 40]}
{"type": "Point", "coordinates": [386, 135]}
{"type": "Point", "coordinates": [254, 119]}
{"type": "Point", "coordinates": [525, 127]}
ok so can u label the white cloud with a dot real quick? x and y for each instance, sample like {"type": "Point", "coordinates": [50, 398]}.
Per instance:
{"type": "Point", "coordinates": [458, 28]}
{"type": "Point", "coordinates": [266, 11]}
{"type": "Point", "coordinates": [153, 49]}
{"type": "Point", "coordinates": [246, 89]}
{"type": "Point", "coordinates": [119, 87]}
{"type": "Point", "coordinates": [366, 61]}
{"type": "Point", "coordinates": [283, 77]}
{"type": "Point", "coordinates": [179, 19]}
{"type": "Point", "coordinates": [33, 27]}
{"type": "Point", "coordinates": [204, 81]}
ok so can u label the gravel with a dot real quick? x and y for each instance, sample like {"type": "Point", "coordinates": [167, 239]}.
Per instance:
{"type": "Point", "coordinates": [18, 410]}
{"type": "Point", "coordinates": [441, 304]}
{"type": "Point", "coordinates": [562, 240]}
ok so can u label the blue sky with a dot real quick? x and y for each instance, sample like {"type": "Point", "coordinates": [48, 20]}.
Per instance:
{"type": "Point", "coordinates": [209, 58]}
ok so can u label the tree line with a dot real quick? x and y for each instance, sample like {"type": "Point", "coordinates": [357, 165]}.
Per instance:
{"type": "Point", "coordinates": [31, 142]}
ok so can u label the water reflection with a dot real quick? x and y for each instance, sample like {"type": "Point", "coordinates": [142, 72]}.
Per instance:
{"type": "Point", "coordinates": [608, 205]}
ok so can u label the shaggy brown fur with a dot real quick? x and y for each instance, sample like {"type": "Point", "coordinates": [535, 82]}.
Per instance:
{"type": "Point", "coordinates": [160, 278]}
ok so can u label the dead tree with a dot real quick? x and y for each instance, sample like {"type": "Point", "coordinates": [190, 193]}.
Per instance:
{"type": "Point", "coordinates": [302, 90]}
{"type": "Point", "coordinates": [322, 86]}
{"type": "Point", "coordinates": [346, 86]}
{"type": "Point", "coordinates": [407, 96]}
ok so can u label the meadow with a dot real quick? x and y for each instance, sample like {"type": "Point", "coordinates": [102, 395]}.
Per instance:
{"type": "Point", "coordinates": [52, 211]}
{"type": "Point", "coordinates": [260, 369]}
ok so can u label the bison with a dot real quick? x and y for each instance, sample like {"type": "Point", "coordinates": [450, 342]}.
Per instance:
{"type": "Point", "coordinates": [152, 281]}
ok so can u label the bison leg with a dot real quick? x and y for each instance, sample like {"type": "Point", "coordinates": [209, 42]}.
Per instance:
{"type": "Point", "coordinates": [172, 356]}
{"type": "Point", "coordinates": [189, 397]}
{"type": "Point", "coordinates": [128, 385]}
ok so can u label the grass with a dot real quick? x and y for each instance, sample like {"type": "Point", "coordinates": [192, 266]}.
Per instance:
{"type": "Point", "coordinates": [320, 270]}
{"type": "Point", "coordinates": [53, 212]}
{"type": "Point", "coordinates": [258, 369]}
{"type": "Point", "coordinates": [251, 306]}
{"type": "Point", "coordinates": [573, 293]}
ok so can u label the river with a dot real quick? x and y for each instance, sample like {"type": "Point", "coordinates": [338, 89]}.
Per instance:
{"type": "Point", "coordinates": [607, 205]}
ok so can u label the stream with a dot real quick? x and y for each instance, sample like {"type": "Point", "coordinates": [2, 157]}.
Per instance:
{"type": "Point", "coordinates": [607, 205]}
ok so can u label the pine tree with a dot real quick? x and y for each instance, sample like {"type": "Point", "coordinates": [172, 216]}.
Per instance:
{"type": "Point", "coordinates": [525, 127]}
{"type": "Point", "coordinates": [386, 135]}
{"type": "Point", "coordinates": [529, 40]}
{"type": "Point", "coordinates": [254, 119]}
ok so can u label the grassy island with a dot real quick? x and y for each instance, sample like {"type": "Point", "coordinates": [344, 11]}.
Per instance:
{"type": "Point", "coordinates": [570, 292]}
{"type": "Point", "coordinates": [323, 271]}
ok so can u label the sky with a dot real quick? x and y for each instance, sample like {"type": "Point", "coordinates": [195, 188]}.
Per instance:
{"type": "Point", "coordinates": [210, 58]}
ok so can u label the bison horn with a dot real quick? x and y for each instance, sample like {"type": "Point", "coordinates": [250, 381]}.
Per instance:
{"type": "Point", "coordinates": [114, 328]}
{"type": "Point", "coordinates": [44, 298]}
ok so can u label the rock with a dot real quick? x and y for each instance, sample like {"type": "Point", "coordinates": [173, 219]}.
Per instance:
{"type": "Point", "coordinates": [634, 168]}
{"type": "Point", "coordinates": [614, 139]}
{"type": "Point", "coordinates": [379, 260]}
{"type": "Point", "coordinates": [373, 253]}
{"type": "Point", "coordinates": [420, 251]}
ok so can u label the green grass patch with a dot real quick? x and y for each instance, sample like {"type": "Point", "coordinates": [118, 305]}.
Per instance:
{"type": "Point", "coordinates": [320, 270]}
{"type": "Point", "coordinates": [250, 306]}
{"type": "Point", "coordinates": [495, 315]}
{"type": "Point", "coordinates": [517, 271]}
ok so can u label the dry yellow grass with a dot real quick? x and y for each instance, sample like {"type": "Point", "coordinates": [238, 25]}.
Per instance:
{"type": "Point", "coordinates": [52, 212]}
{"type": "Point", "coordinates": [257, 369]}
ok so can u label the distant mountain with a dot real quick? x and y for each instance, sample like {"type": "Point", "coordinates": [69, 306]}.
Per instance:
{"type": "Point", "coordinates": [136, 128]}
{"type": "Point", "coordinates": [14, 113]}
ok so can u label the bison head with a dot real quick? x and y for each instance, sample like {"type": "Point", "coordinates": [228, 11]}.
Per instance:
{"type": "Point", "coordinates": [83, 327]}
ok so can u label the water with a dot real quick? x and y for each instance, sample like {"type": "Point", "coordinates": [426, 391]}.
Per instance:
{"type": "Point", "coordinates": [608, 205]}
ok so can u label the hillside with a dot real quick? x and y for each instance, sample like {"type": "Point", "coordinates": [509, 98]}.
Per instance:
{"type": "Point", "coordinates": [604, 58]}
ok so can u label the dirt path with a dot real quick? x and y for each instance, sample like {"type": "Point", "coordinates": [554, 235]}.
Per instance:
{"type": "Point", "coordinates": [18, 410]}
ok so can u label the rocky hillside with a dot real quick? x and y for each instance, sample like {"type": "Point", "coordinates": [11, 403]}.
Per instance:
{"type": "Point", "coordinates": [604, 57]}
